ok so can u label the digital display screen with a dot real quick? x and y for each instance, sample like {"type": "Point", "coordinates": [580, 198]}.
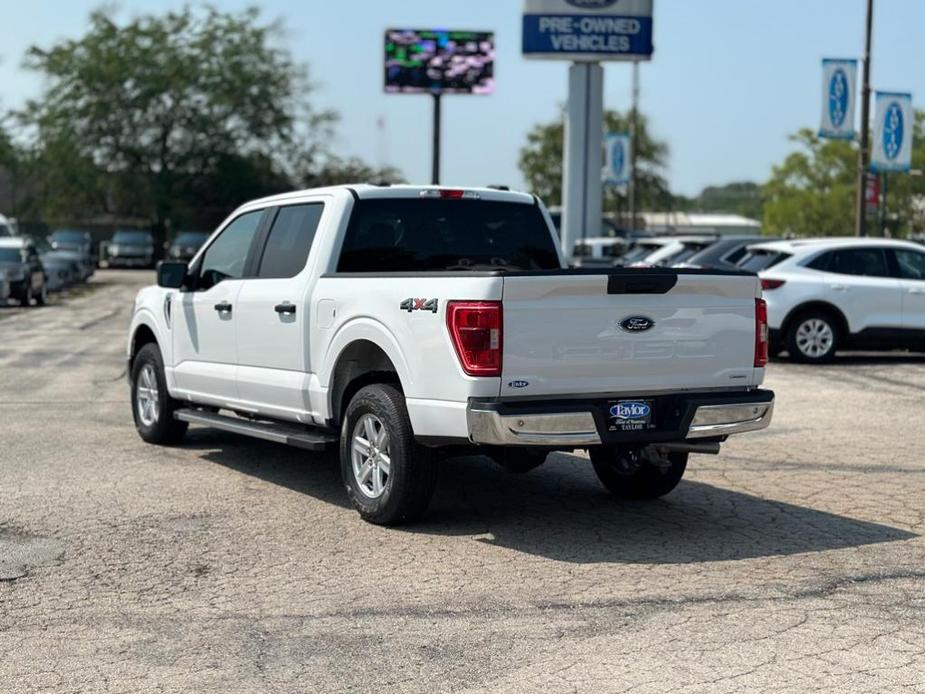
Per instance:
{"type": "Point", "coordinates": [439, 62]}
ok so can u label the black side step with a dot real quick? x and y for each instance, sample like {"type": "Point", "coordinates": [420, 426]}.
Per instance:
{"type": "Point", "coordinates": [289, 434]}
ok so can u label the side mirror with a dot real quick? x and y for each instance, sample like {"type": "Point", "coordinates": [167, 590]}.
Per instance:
{"type": "Point", "coordinates": [171, 274]}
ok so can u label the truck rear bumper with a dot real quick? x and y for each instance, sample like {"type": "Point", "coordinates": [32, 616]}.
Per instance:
{"type": "Point", "coordinates": [581, 423]}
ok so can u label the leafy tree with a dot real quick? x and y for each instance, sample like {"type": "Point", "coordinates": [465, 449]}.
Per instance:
{"type": "Point", "coordinates": [740, 197]}
{"type": "Point", "coordinates": [333, 170]}
{"type": "Point", "coordinates": [150, 116]}
{"type": "Point", "coordinates": [813, 191]}
{"type": "Point", "coordinates": [541, 163]}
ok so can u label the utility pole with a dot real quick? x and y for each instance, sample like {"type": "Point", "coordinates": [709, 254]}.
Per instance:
{"type": "Point", "coordinates": [435, 162]}
{"type": "Point", "coordinates": [634, 145]}
{"type": "Point", "coordinates": [864, 151]}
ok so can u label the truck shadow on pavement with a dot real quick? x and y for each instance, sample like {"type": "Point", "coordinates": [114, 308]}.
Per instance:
{"type": "Point", "coordinates": [561, 512]}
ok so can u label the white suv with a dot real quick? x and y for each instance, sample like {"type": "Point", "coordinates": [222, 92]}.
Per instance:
{"type": "Point", "coordinates": [837, 293]}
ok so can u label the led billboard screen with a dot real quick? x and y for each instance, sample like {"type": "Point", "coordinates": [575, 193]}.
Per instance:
{"type": "Point", "coordinates": [421, 61]}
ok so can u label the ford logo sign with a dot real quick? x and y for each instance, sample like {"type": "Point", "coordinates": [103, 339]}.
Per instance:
{"type": "Point", "coordinates": [636, 324]}
{"type": "Point", "coordinates": [630, 410]}
{"type": "Point", "coordinates": [838, 97]}
{"type": "Point", "coordinates": [591, 4]}
{"type": "Point", "coordinates": [893, 131]}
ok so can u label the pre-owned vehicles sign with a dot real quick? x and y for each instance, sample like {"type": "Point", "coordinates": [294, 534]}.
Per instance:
{"type": "Point", "coordinates": [589, 30]}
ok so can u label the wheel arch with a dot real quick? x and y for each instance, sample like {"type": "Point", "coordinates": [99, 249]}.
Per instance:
{"type": "Point", "coordinates": [142, 334]}
{"type": "Point", "coordinates": [360, 363]}
{"type": "Point", "coordinates": [823, 306]}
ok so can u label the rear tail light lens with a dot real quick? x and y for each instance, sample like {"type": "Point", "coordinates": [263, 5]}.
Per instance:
{"type": "Point", "coordinates": [476, 330]}
{"type": "Point", "coordinates": [761, 333]}
{"type": "Point", "coordinates": [767, 284]}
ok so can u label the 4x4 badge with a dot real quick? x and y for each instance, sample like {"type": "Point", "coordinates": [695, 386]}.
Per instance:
{"type": "Point", "coordinates": [410, 305]}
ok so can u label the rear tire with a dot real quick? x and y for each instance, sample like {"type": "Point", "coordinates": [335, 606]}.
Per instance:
{"type": "Point", "coordinates": [152, 406]}
{"type": "Point", "coordinates": [813, 337]}
{"type": "Point", "coordinates": [519, 461]}
{"type": "Point", "coordinates": [388, 476]}
{"type": "Point", "coordinates": [636, 479]}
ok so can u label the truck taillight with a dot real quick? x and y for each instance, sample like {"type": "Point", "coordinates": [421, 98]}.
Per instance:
{"type": "Point", "coordinates": [768, 284]}
{"type": "Point", "coordinates": [475, 328]}
{"type": "Point", "coordinates": [761, 333]}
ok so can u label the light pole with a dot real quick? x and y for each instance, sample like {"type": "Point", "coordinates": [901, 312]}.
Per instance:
{"type": "Point", "coordinates": [863, 152]}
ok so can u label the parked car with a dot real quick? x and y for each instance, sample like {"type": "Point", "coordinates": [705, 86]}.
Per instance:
{"type": "Point", "coordinates": [667, 250]}
{"type": "Point", "coordinates": [6, 227]}
{"type": "Point", "coordinates": [723, 254]}
{"type": "Point", "coordinates": [80, 245]}
{"type": "Point", "coordinates": [601, 251]}
{"type": "Point", "coordinates": [398, 322]}
{"type": "Point", "coordinates": [129, 248]}
{"type": "Point", "coordinates": [62, 268]}
{"type": "Point", "coordinates": [185, 245]}
{"type": "Point", "coordinates": [22, 268]}
{"type": "Point", "coordinates": [829, 294]}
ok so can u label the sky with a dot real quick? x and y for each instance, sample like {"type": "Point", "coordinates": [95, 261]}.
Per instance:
{"type": "Point", "coordinates": [728, 82]}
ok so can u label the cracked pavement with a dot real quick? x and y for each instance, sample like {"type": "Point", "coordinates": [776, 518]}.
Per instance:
{"type": "Point", "coordinates": [792, 562]}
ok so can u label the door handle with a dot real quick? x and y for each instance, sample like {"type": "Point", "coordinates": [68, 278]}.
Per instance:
{"type": "Point", "coordinates": [223, 307]}
{"type": "Point", "coordinates": [839, 287]}
{"type": "Point", "coordinates": [285, 308]}
{"type": "Point", "coordinates": [917, 290]}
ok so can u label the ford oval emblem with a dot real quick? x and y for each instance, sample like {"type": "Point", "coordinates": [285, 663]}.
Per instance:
{"type": "Point", "coordinates": [838, 97]}
{"type": "Point", "coordinates": [636, 324]}
{"type": "Point", "coordinates": [893, 131]}
{"type": "Point", "coordinates": [591, 4]}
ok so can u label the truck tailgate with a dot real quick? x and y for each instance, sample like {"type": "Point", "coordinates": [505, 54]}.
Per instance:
{"type": "Point", "coordinates": [571, 334]}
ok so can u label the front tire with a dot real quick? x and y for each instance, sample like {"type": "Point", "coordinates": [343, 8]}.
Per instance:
{"type": "Point", "coordinates": [813, 338]}
{"type": "Point", "coordinates": [632, 476]}
{"type": "Point", "coordinates": [42, 297]}
{"type": "Point", "coordinates": [152, 406]}
{"type": "Point", "coordinates": [26, 298]}
{"type": "Point", "coordinates": [388, 476]}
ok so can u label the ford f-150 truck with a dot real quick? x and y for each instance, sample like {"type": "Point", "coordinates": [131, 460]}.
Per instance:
{"type": "Point", "coordinates": [404, 324]}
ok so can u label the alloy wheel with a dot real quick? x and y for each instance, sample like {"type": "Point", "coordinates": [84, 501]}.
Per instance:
{"type": "Point", "coordinates": [147, 401]}
{"type": "Point", "coordinates": [815, 338]}
{"type": "Point", "coordinates": [370, 456]}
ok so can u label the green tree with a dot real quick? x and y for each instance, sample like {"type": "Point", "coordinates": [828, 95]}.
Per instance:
{"type": "Point", "coordinates": [149, 116]}
{"type": "Point", "coordinates": [813, 191]}
{"type": "Point", "coordinates": [540, 163]}
{"type": "Point", "coordinates": [739, 197]}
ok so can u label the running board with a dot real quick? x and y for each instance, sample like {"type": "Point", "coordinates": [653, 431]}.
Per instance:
{"type": "Point", "coordinates": [289, 434]}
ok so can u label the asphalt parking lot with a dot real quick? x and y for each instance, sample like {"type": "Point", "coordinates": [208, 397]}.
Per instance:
{"type": "Point", "coordinates": [793, 562]}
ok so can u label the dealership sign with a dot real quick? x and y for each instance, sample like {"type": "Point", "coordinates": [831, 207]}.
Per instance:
{"type": "Point", "coordinates": [590, 30]}
{"type": "Point", "coordinates": [892, 145]}
{"type": "Point", "coordinates": [839, 78]}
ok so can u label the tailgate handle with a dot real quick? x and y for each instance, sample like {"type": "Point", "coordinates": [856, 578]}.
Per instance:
{"type": "Point", "coordinates": [652, 284]}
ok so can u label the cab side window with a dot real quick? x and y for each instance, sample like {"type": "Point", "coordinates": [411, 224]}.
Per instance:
{"type": "Point", "coordinates": [290, 240]}
{"type": "Point", "coordinates": [911, 264]}
{"type": "Point", "coordinates": [224, 259]}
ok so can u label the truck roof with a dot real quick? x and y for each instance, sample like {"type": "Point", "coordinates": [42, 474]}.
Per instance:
{"type": "Point", "coordinates": [368, 191]}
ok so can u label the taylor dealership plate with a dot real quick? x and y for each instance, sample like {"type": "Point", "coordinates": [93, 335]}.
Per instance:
{"type": "Point", "coordinates": [629, 415]}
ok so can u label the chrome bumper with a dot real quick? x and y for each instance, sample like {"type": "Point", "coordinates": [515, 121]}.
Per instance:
{"type": "Point", "coordinates": [721, 420]}
{"type": "Point", "coordinates": [560, 429]}
{"type": "Point", "coordinates": [578, 429]}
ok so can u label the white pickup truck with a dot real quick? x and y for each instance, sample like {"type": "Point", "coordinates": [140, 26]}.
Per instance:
{"type": "Point", "coordinates": [404, 322]}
